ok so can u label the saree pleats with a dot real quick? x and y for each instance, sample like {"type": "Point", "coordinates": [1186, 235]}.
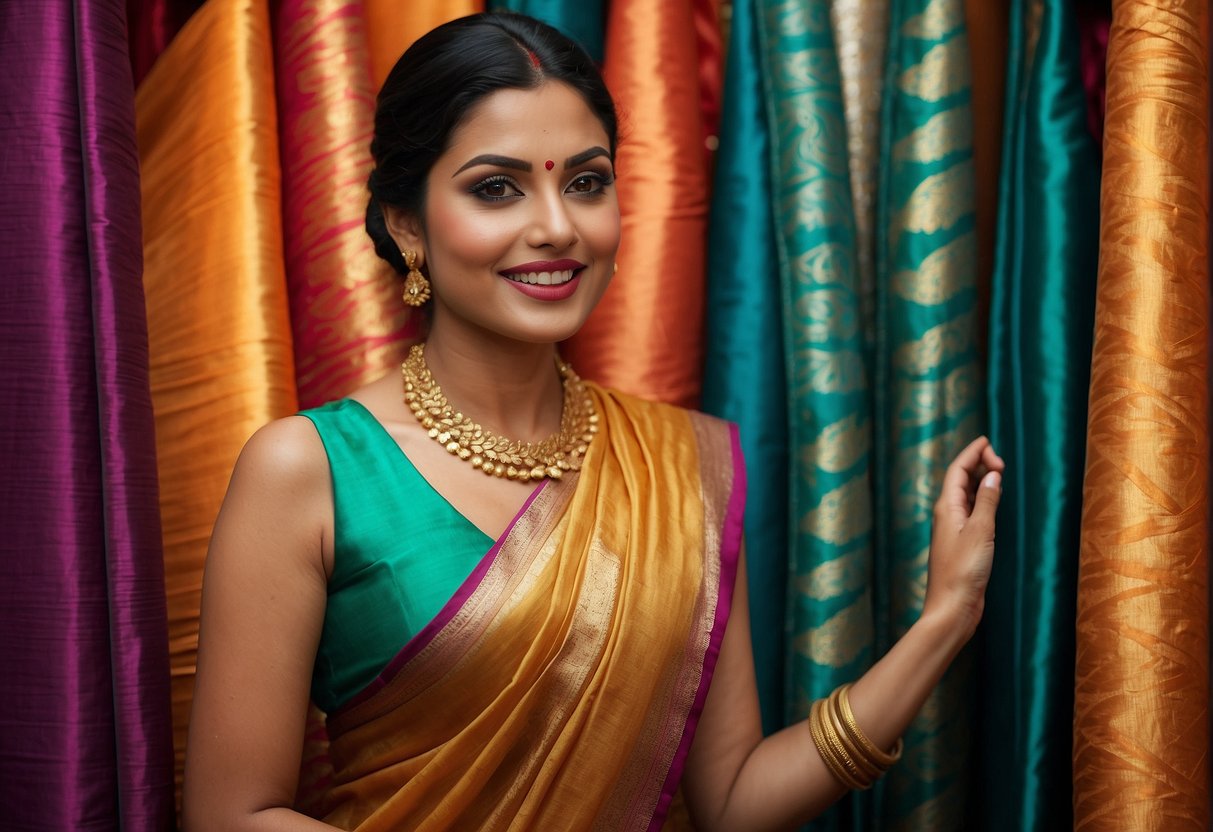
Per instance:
{"type": "Point", "coordinates": [392, 26]}
{"type": "Point", "coordinates": [218, 329]}
{"type": "Point", "coordinates": [585, 622]}
{"type": "Point", "coordinates": [84, 729]}
{"type": "Point", "coordinates": [645, 336]}
{"type": "Point", "coordinates": [1141, 711]}
{"type": "Point", "coordinates": [1039, 358]}
{"type": "Point", "coordinates": [582, 20]}
{"type": "Point", "coordinates": [347, 317]}
{"type": "Point", "coordinates": [744, 364]}
{"type": "Point", "coordinates": [829, 431]}
{"type": "Point", "coordinates": [927, 374]}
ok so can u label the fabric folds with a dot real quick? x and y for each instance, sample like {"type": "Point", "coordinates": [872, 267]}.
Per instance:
{"type": "Point", "coordinates": [582, 20]}
{"type": "Point", "coordinates": [598, 614]}
{"type": "Point", "coordinates": [743, 378]}
{"type": "Point", "coordinates": [1141, 710]}
{"type": "Point", "coordinates": [84, 731]}
{"type": "Point", "coordinates": [645, 336]}
{"type": "Point", "coordinates": [927, 401]}
{"type": "Point", "coordinates": [828, 398]}
{"type": "Point", "coordinates": [392, 26]}
{"type": "Point", "coordinates": [347, 318]}
{"type": "Point", "coordinates": [218, 326]}
{"type": "Point", "coordinates": [1042, 303]}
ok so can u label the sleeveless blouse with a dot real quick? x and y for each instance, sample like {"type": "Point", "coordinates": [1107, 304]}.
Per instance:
{"type": "Point", "coordinates": [400, 552]}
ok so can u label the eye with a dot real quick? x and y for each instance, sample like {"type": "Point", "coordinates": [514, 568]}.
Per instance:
{"type": "Point", "coordinates": [495, 189]}
{"type": "Point", "coordinates": [588, 183]}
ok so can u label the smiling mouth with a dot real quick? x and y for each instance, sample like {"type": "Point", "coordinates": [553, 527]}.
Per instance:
{"type": "Point", "coordinates": [543, 278]}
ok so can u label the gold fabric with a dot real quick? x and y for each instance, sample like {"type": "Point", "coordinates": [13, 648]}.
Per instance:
{"type": "Point", "coordinates": [860, 33]}
{"type": "Point", "coordinates": [218, 335]}
{"type": "Point", "coordinates": [645, 336]}
{"type": "Point", "coordinates": [1141, 716]}
{"type": "Point", "coordinates": [393, 25]}
{"type": "Point", "coordinates": [558, 689]}
{"type": "Point", "coordinates": [348, 321]}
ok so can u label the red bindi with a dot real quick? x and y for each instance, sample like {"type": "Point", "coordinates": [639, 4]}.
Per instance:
{"type": "Point", "coordinates": [549, 164]}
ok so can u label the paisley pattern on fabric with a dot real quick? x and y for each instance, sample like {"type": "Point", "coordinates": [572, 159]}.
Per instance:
{"type": "Point", "coordinates": [1141, 710]}
{"type": "Point", "coordinates": [219, 337]}
{"type": "Point", "coordinates": [346, 311]}
{"type": "Point", "coordinates": [927, 374]}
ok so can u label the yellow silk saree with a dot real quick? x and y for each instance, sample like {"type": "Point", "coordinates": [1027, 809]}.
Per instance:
{"type": "Point", "coordinates": [559, 688]}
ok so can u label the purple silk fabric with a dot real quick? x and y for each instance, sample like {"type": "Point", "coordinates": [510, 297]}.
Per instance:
{"type": "Point", "coordinates": [85, 732]}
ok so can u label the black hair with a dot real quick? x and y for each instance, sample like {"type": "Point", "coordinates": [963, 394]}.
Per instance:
{"type": "Point", "coordinates": [443, 74]}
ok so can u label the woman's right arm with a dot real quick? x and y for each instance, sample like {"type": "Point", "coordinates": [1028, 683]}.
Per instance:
{"type": "Point", "coordinates": [262, 610]}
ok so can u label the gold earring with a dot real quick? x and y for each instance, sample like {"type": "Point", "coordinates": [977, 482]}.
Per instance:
{"type": "Point", "coordinates": [416, 287]}
{"type": "Point", "coordinates": [616, 271]}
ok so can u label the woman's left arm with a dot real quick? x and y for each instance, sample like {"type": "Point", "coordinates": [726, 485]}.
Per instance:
{"type": "Point", "coordinates": [735, 779]}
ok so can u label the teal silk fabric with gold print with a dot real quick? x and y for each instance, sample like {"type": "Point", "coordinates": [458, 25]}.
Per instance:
{"type": "Point", "coordinates": [829, 598]}
{"type": "Point", "coordinates": [1041, 320]}
{"type": "Point", "coordinates": [928, 385]}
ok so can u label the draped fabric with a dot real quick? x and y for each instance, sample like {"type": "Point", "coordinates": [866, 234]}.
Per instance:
{"type": "Point", "coordinates": [84, 731]}
{"type": "Point", "coordinates": [582, 20]}
{"type": "Point", "coordinates": [392, 26]}
{"type": "Point", "coordinates": [743, 377]}
{"type": "Point", "coordinates": [860, 30]}
{"type": "Point", "coordinates": [1141, 710]}
{"type": "Point", "coordinates": [218, 327]}
{"type": "Point", "coordinates": [988, 25]}
{"type": "Point", "coordinates": [828, 399]}
{"type": "Point", "coordinates": [645, 336]}
{"type": "Point", "coordinates": [624, 613]}
{"type": "Point", "coordinates": [927, 376]}
{"type": "Point", "coordinates": [1039, 359]}
{"type": "Point", "coordinates": [348, 321]}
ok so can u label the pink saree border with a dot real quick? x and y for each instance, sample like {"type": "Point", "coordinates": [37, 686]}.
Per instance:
{"type": "Point", "coordinates": [449, 610]}
{"type": "Point", "coordinates": [730, 548]}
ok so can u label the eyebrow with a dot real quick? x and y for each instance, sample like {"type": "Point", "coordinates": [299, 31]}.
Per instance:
{"type": "Point", "coordinates": [496, 161]}
{"type": "Point", "coordinates": [585, 156]}
{"type": "Point", "coordinates": [518, 164]}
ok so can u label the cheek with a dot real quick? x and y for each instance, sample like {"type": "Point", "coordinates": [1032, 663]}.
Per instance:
{"type": "Point", "coordinates": [459, 234]}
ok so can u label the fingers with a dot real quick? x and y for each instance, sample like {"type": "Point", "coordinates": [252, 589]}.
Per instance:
{"type": "Point", "coordinates": [985, 504]}
{"type": "Point", "coordinates": [966, 469]}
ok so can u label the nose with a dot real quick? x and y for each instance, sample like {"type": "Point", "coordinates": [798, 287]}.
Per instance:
{"type": "Point", "coordinates": [551, 223]}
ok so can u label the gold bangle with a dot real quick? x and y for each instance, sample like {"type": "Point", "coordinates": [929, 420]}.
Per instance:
{"type": "Point", "coordinates": [880, 759]}
{"type": "Point", "coordinates": [831, 752]}
{"type": "Point", "coordinates": [868, 771]}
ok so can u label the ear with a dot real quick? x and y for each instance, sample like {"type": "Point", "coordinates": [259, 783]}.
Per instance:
{"type": "Point", "coordinates": [405, 229]}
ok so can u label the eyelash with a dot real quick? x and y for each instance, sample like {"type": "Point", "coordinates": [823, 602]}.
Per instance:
{"type": "Point", "coordinates": [478, 189]}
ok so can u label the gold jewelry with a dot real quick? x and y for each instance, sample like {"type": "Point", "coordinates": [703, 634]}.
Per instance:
{"type": "Point", "coordinates": [416, 287]}
{"type": "Point", "coordinates": [851, 757]}
{"type": "Point", "coordinates": [496, 455]}
{"type": "Point", "coordinates": [881, 759]}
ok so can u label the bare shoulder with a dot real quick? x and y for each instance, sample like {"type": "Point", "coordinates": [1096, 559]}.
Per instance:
{"type": "Point", "coordinates": [281, 487]}
{"type": "Point", "coordinates": [287, 451]}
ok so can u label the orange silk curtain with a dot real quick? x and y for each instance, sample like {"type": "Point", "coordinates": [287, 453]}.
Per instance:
{"type": "Point", "coordinates": [1141, 726]}
{"type": "Point", "coordinates": [645, 337]}
{"type": "Point", "coordinates": [218, 334]}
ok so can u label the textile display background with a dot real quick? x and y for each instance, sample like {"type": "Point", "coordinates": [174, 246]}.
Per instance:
{"type": "Point", "coordinates": [865, 230]}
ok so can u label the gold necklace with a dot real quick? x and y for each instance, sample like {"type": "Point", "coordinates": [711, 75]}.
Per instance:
{"type": "Point", "coordinates": [496, 455]}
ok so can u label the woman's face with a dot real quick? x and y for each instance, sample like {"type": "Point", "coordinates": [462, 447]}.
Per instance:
{"type": "Point", "coordinates": [521, 217]}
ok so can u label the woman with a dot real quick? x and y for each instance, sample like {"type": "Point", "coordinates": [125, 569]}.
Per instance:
{"type": "Point", "coordinates": [581, 672]}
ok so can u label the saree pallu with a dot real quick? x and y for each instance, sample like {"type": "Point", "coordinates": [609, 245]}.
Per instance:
{"type": "Point", "coordinates": [560, 686]}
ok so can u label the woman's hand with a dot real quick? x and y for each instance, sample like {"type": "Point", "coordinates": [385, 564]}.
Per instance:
{"type": "Point", "coordinates": [962, 538]}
